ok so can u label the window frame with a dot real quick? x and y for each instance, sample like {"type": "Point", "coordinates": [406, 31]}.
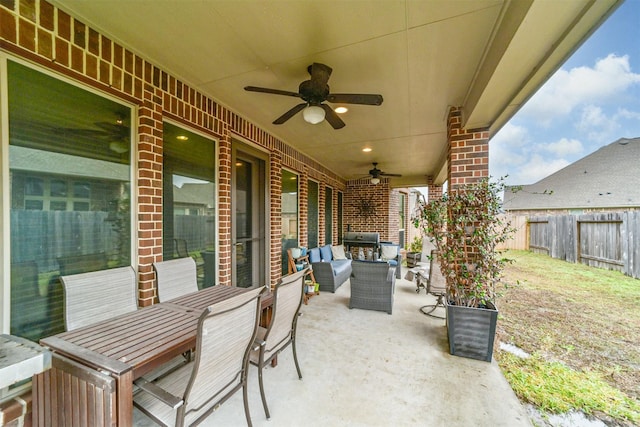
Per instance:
{"type": "Point", "coordinates": [5, 184]}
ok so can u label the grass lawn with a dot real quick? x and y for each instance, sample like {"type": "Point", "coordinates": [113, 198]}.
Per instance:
{"type": "Point", "coordinates": [582, 327]}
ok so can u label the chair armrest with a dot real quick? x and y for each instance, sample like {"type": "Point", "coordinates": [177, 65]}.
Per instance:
{"type": "Point", "coordinates": [257, 343]}
{"type": "Point", "coordinates": [159, 393]}
{"type": "Point", "coordinates": [391, 274]}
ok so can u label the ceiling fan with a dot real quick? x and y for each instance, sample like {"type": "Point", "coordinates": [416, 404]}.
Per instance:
{"type": "Point", "coordinates": [376, 174]}
{"type": "Point", "coordinates": [314, 93]}
{"type": "Point", "coordinates": [117, 134]}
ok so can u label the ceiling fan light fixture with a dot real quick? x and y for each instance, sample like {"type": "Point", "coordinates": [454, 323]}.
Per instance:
{"type": "Point", "coordinates": [313, 114]}
{"type": "Point", "coordinates": [375, 181]}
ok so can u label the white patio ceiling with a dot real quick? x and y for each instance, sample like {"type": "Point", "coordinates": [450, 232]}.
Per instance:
{"type": "Point", "coordinates": [487, 56]}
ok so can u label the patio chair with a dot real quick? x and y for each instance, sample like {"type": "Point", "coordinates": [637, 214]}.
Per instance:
{"type": "Point", "coordinates": [390, 252]}
{"type": "Point", "coordinates": [225, 336]}
{"type": "Point", "coordinates": [182, 251]}
{"type": "Point", "coordinates": [175, 277]}
{"type": "Point", "coordinates": [98, 295]}
{"type": "Point", "coordinates": [287, 299]}
{"type": "Point", "coordinates": [436, 286]}
{"type": "Point", "coordinates": [372, 285]}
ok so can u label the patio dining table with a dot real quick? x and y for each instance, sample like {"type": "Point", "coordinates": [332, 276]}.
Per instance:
{"type": "Point", "coordinates": [94, 367]}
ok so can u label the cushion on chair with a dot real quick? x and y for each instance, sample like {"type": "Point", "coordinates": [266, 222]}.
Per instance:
{"type": "Point", "coordinates": [325, 253]}
{"type": "Point", "coordinates": [338, 252]}
{"type": "Point", "coordinates": [389, 252]}
{"type": "Point", "coordinates": [314, 255]}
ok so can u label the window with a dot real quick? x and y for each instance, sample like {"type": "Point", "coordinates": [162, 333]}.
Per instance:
{"type": "Point", "coordinates": [402, 217]}
{"type": "Point", "coordinates": [340, 206]}
{"type": "Point", "coordinates": [289, 199]}
{"type": "Point", "coordinates": [313, 210]}
{"type": "Point", "coordinates": [328, 216]}
{"type": "Point", "coordinates": [69, 192]}
{"type": "Point", "coordinates": [189, 204]}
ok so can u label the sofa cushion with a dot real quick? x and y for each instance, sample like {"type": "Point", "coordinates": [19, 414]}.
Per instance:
{"type": "Point", "coordinates": [314, 255]}
{"type": "Point", "coordinates": [338, 252]}
{"type": "Point", "coordinates": [341, 266]}
{"type": "Point", "coordinates": [325, 253]}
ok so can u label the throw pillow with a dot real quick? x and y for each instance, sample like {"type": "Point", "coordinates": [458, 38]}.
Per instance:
{"type": "Point", "coordinates": [389, 252]}
{"type": "Point", "coordinates": [338, 252]}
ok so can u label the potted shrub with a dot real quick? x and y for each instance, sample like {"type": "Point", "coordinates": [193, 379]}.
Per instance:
{"type": "Point", "coordinates": [466, 227]}
{"type": "Point", "coordinates": [415, 252]}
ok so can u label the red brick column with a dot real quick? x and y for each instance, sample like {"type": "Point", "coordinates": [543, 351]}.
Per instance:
{"type": "Point", "coordinates": [224, 210]}
{"type": "Point", "coordinates": [468, 154]}
{"type": "Point", "coordinates": [434, 191]}
{"type": "Point", "coordinates": [149, 194]}
{"type": "Point", "coordinates": [275, 251]}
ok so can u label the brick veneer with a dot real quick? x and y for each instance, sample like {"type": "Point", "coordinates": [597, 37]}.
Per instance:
{"type": "Point", "coordinates": [468, 151]}
{"type": "Point", "coordinates": [380, 196]}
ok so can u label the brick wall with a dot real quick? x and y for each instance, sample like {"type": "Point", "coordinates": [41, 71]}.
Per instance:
{"type": "Point", "coordinates": [378, 195]}
{"type": "Point", "coordinates": [468, 151]}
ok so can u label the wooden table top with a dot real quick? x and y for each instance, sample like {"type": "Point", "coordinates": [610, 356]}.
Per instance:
{"type": "Point", "coordinates": [144, 339]}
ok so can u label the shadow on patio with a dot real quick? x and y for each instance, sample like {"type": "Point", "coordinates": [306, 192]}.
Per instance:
{"type": "Point", "coordinates": [368, 368]}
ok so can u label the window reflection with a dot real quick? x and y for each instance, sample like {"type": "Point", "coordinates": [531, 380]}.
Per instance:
{"type": "Point", "coordinates": [70, 192]}
{"type": "Point", "coordinates": [189, 207]}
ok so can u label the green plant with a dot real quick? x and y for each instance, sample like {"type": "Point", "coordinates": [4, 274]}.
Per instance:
{"type": "Point", "coordinates": [465, 226]}
{"type": "Point", "coordinates": [416, 244]}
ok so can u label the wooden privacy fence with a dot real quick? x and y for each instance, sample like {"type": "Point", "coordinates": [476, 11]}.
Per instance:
{"type": "Point", "coordinates": [603, 240]}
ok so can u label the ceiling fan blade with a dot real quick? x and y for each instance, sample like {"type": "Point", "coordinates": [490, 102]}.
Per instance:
{"type": "Point", "coordinates": [292, 112]}
{"type": "Point", "coordinates": [332, 117]}
{"type": "Point", "coordinates": [389, 174]}
{"type": "Point", "coordinates": [355, 98]}
{"type": "Point", "coordinates": [272, 91]}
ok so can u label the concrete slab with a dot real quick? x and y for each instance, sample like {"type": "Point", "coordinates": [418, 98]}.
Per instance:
{"type": "Point", "coordinates": [368, 368]}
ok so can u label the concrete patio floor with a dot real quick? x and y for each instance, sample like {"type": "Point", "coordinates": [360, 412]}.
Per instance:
{"type": "Point", "coordinates": [368, 368]}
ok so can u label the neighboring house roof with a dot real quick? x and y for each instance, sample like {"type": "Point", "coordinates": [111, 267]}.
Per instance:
{"type": "Point", "coordinates": [607, 178]}
{"type": "Point", "coordinates": [195, 194]}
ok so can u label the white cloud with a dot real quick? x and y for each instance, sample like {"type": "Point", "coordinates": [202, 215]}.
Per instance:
{"type": "Point", "coordinates": [537, 168]}
{"type": "Point", "coordinates": [597, 125]}
{"type": "Point", "coordinates": [505, 145]}
{"type": "Point", "coordinates": [567, 90]}
{"type": "Point", "coordinates": [626, 114]}
{"type": "Point", "coordinates": [563, 147]}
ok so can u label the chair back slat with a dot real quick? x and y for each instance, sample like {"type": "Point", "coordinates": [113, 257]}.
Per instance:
{"type": "Point", "coordinates": [437, 281]}
{"type": "Point", "coordinates": [176, 277]}
{"type": "Point", "coordinates": [226, 331]}
{"type": "Point", "coordinates": [98, 295]}
{"type": "Point", "coordinates": [287, 299]}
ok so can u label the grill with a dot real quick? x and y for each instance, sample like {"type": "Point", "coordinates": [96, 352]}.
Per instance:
{"type": "Point", "coordinates": [362, 240]}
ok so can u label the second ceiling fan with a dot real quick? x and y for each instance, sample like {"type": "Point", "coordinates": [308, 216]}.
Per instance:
{"type": "Point", "coordinates": [376, 174]}
{"type": "Point", "coordinates": [315, 92]}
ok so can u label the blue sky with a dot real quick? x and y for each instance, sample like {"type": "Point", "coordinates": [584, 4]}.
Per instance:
{"type": "Point", "coordinates": [591, 101]}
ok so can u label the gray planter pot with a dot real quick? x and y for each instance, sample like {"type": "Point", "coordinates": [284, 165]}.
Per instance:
{"type": "Point", "coordinates": [471, 331]}
{"type": "Point", "coordinates": [413, 258]}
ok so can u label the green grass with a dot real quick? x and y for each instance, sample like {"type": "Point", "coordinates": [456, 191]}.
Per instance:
{"type": "Point", "coordinates": [582, 326]}
{"type": "Point", "coordinates": [554, 387]}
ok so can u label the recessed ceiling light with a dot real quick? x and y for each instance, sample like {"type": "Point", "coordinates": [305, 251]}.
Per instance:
{"type": "Point", "coordinates": [341, 110]}
{"type": "Point", "coordinates": [182, 137]}
{"type": "Point", "coordinates": [366, 150]}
